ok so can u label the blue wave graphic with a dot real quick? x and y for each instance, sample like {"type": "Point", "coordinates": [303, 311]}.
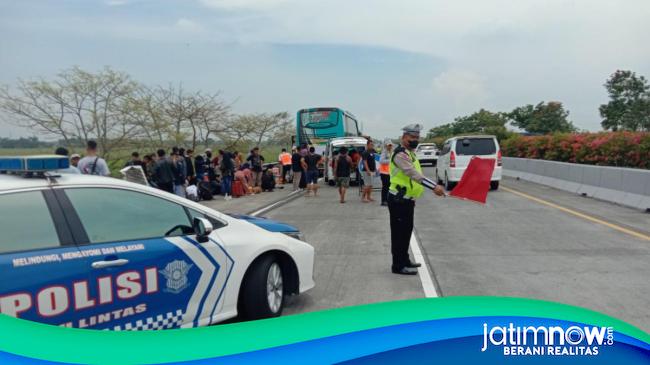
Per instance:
{"type": "Point", "coordinates": [453, 341]}
{"type": "Point", "coordinates": [446, 341]}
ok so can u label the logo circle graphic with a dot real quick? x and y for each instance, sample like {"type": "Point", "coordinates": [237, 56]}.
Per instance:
{"type": "Point", "coordinates": [574, 335]}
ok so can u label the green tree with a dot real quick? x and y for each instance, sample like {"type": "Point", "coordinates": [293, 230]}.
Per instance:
{"type": "Point", "coordinates": [482, 121]}
{"type": "Point", "coordinates": [543, 118]}
{"type": "Point", "coordinates": [629, 105]}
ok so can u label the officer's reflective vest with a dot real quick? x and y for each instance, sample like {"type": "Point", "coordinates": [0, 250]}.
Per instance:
{"type": "Point", "coordinates": [398, 178]}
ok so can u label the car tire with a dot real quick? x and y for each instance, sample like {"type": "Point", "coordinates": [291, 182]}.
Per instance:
{"type": "Point", "coordinates": [263, 292]}
{"type": "Point", "coordinates": [494, 185]}
{"type": "Point", "coordinates": [449, 186]}
{"type": "Point", "coordinates": [438, 179]}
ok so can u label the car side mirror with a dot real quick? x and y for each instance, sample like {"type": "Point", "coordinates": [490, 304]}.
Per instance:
{"type": "Point", "coordinates": [202, 228]}
{"type": "Point", "coordinates": [437, 153]}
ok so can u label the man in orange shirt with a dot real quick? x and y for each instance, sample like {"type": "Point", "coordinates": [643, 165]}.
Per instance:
{"type": "Point", "coordinates": [285, 161]}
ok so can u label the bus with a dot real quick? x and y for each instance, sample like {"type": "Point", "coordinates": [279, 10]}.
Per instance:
{"type": "Point", "coordinates": [316, 126]}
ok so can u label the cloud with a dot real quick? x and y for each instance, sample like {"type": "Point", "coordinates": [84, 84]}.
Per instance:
{"type": "Point", "coordinates": [244, 4]}
{"type": "Point", "coordinates": [187, 25]}
{"type": "Point", "coordinates": [116, 2]}
{"type": "Point", "coordinates": [457, 91]}
{"type": "Point", "coordinates": [495, 54]}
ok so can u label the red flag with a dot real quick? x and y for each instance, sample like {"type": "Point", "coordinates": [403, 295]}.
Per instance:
{"type": "Point", "coordinates": [475, 182]}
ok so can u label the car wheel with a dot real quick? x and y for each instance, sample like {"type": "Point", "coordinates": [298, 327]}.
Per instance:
{"type": "Point", "coordinates": [263, 292]}
{"type": "Point", "coordinates": [449, 186]}
{"type": "Point", "coordinates": [494, 185]}
{"type": "Point", "coordinates": [438, 179]}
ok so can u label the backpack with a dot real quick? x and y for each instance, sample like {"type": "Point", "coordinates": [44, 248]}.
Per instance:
{"type": "Point", "coordinates": [93, 171]}
{"type": "Point", "coordinates": [205, 191]}
{"type": "Point", "coordinates": [268, 182]}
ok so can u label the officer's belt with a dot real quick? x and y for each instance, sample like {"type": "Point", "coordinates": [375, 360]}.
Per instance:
{"type": "Point", "coordinates": [405, 197]}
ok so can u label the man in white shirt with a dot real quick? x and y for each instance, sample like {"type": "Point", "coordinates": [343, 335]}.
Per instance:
{"type": "Point", "coordinates": [92, 164]}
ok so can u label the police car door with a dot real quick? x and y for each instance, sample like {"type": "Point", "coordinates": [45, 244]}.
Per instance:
{"type": "Point", "coordinates": [147, 269]}
{"type": "Point", "coordinates": [36, 272]}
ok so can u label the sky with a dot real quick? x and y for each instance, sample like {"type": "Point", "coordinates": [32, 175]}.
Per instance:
{"type": "Point", "coordinates": [388, 62]}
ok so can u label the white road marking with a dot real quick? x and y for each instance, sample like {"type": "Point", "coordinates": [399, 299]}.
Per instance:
{"type": "Point", "coordinates": [423, 271]}
{"type": "Point", "coordinates": [270, 207]}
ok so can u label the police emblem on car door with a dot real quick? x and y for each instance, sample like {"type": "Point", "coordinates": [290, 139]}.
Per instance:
{"type": "Point", "coordinates": [176, 274]}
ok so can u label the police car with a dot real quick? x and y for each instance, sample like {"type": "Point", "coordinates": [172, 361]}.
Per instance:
{"type": "Point", "coordinates": [93, 252]}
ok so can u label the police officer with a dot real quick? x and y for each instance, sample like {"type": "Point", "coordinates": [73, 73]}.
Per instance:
{"type": "Point", "coordinates": [406, 185]}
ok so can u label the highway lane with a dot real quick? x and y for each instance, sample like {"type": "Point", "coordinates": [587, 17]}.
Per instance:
{"type": "Point", "coordinates": [512, 246]}
{"type": "Point", "coordinates": [517, 246]}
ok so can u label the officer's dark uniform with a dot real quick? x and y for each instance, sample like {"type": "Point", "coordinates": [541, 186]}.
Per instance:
{"type": "Point", "coordinates": [406, 185]}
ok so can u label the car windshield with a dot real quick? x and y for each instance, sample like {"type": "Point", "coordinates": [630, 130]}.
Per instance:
{"type": "Point", "coordinates": [476, 146]}
{"type": "Point", "coordinates": [336, 149]}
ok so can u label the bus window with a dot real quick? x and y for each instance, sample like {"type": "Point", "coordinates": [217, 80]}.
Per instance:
{"type": "Point", "coordinates": [351, 127]}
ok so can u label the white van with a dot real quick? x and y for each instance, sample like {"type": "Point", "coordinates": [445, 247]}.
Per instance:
{"type": "Point", "coordinates": [427, 153]}
{"type": "Point", "coordinates": [458, 151]}
{"type": "Point", "coordinates": [332, 151]}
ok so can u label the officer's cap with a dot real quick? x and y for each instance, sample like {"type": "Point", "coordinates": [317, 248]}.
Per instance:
{"type": "Point", "coordinates": [412, 129]}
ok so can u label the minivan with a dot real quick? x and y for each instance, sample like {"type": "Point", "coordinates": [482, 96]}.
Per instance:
{"type": "Point", "coordinates": [458, 151]}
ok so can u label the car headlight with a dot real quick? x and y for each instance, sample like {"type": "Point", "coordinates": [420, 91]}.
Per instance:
{"type": "Point", "coordinates": [297, 235]}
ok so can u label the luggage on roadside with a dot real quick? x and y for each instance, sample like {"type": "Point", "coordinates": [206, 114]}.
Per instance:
{"type": "Point", "coordinates": [268, 181]}
{"type": "Point", "coordinates": [215, 188]}
{"type": "Point", "coordinates": [237, 189]}
{"type": "Point", "coordinates": [205, 190]}
{"type": "Point", "coordinates": [192, 193]}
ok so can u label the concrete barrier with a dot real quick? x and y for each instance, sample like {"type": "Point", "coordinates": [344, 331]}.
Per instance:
{"type": "Point", "coordinates": [624, 186]}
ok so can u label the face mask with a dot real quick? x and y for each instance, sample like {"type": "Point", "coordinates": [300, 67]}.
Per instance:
{"type": "Point", "coordinates": [413, 144]}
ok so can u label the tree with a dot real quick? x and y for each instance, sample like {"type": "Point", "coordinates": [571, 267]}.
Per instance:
{"type": "Point", "coordinates": [482, 121]}
{"type": "Point", "coordinates": [172, 115]}
{"type": "Point", "coordinates": [543, 118]}
{"type": "Point", "coordinates": [629, 105]}
{"type": "Point", "coordinates": [76, 105]}
{"type": "Point", "coordinates": [254, 129]}
{"type": "Point", "coordinates": [282, 134]}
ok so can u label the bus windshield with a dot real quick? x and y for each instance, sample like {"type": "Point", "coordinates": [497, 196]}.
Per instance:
{"type": "Point", "coordinates": [318, 125]}
{"type": "Point", "coordinates": [319, 119]}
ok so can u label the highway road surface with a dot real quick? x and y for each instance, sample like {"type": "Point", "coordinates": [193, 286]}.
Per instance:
{"type": "Point", "coordinates": [527, 241]}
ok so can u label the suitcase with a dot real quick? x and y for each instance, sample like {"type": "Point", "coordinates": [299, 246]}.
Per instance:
{"type": "Point", "coordinates": [237, 189]}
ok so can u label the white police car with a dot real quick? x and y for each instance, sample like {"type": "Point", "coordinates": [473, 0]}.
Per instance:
{"type": "Point", "coordinates": [93, 252]}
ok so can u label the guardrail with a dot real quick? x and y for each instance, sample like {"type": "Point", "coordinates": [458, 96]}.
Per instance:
{"type": "Point", "coordinates": [624, 186]}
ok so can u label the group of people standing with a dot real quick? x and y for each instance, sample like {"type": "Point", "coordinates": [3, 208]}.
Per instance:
{"type": "Point", "coordinates": [302, 165]}
{"type": "Point", "coordinates": [372, 174]}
